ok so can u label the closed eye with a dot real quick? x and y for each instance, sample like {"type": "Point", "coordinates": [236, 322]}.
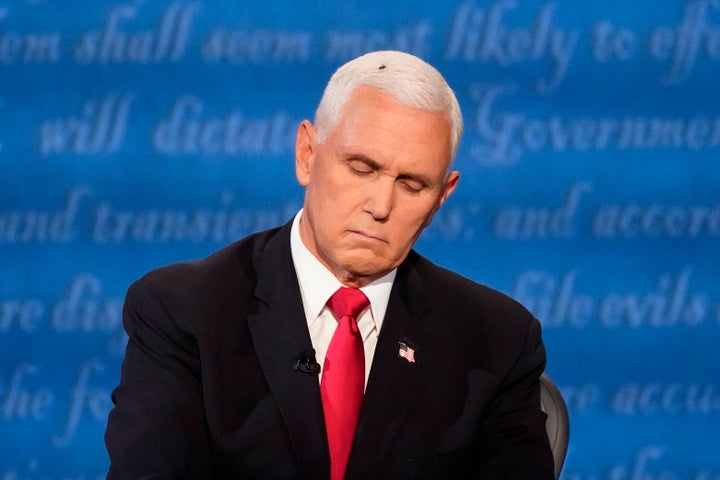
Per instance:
{"type": "Point", "coordinates": [360, 167]}
{"type": "Point", "coordinates": [412, 185]}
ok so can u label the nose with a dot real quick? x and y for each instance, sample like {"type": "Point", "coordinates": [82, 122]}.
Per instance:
{"type": "Point", "coordinates": [381, 200]}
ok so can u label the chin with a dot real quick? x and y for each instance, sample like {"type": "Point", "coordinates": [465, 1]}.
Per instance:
{"type": "Point", "coordinates": [364, 263]}
{"type": "Point", "coordinates": [363, 269]}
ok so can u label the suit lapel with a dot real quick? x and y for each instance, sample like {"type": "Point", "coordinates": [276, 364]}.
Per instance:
{"type": "Point", "coordinates": [279, 331]}
{"type": "Point", "coordinates": [393, 380]}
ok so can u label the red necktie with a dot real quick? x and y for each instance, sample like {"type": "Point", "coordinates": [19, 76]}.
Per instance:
{"type": "Point", "coordinates": [343, 377]}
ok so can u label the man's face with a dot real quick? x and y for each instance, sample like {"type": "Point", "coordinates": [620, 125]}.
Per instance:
{"type": "Point", "coordinates": [372, 185]}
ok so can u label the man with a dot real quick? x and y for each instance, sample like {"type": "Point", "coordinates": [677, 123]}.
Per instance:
{"type": "Point", "coordinates": [240, 366]}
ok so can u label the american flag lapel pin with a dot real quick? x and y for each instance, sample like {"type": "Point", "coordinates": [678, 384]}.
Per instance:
{"type": "Point", "coordinates": [406, 351]}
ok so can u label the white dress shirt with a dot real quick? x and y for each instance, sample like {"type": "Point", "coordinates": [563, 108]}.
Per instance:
{"type": "Point", "coordinates": [317, 284]}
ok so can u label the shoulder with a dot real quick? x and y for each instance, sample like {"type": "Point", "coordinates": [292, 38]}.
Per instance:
{"type": "Point", "coordinates": [231, 270]}
{"type": "Point", "coordinates": [467, 307]}
{"type": "Point", "coordinates": [475, 323]}
{"type": "Point", "coordinates": [234, 258]}
{"type": "Point", "coordinates": [449, 290]}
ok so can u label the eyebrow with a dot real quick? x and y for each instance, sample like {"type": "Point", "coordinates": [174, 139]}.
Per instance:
{"type": "Point", "coordinates": [422, 179]}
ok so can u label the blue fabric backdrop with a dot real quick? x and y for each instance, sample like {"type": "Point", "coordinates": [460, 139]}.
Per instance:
{"type": "Point", "coordinates": [135, 134]}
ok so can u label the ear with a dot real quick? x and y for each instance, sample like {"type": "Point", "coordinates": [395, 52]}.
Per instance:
{"type": "Point", "coordinates": [304, 151]}
{"type": "Point", "coordinates": [447, 189]}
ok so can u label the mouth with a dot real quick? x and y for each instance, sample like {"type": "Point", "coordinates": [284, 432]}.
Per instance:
{"type": "Point", "coordinates": [366, 235]}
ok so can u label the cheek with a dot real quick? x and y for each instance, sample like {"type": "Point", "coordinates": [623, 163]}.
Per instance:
{"type": "Point", "coordinates": [407, 230]}
{"type": "Point", "coordinates": [332, 185]}
{"type": "Point", "coordinates": [345, 200]}
{"type": "Point", "coordinates": [417, 214]}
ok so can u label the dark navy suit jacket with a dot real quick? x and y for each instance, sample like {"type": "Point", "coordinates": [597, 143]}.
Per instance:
{"type": "Point", "coordinates": [208, 388]}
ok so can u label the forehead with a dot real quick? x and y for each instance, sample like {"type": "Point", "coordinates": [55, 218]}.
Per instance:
{"type": "Point", "coordinates": [380, 127]}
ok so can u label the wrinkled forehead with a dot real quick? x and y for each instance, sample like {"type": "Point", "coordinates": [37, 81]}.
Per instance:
{"type": "Point", "coordinates": [378, 125]}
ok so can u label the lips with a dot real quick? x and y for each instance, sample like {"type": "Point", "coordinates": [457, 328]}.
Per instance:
{"type": "Point", "coordinates": [367, 235]}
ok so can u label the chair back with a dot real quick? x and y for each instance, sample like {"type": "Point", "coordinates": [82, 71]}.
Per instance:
{"type": "Point", "coordinates": [558, 422]}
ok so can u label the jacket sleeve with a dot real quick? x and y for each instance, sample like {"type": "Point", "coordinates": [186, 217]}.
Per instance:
{"type": "Point", "coordinates": [157, 427]}
{"type": "Point", "coordinates": [514, 443]}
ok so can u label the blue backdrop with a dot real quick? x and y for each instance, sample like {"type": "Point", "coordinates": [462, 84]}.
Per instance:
{"type": "Point", "coordinates": [135, 134]}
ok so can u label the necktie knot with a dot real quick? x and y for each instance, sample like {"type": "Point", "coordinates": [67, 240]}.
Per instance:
{"type": "Point", "coordinates": [348, 302]}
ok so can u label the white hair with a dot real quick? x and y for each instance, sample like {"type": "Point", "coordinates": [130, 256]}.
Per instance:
{"type": "Point", "coordinates": [408, 79]}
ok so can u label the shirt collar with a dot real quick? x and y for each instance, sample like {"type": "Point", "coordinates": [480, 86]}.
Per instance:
{"type": "Point", "coordinates": [317, 283]}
